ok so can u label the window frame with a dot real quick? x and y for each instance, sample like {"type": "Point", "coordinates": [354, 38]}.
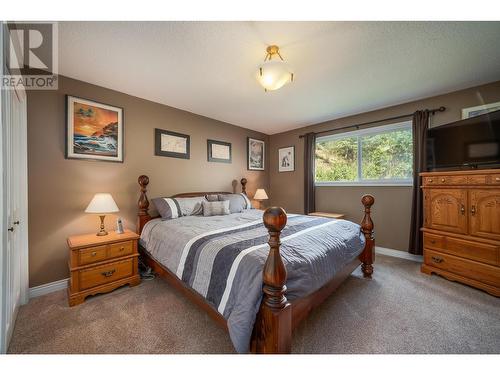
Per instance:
{"type": "Point", "coordinates": [404, 125]}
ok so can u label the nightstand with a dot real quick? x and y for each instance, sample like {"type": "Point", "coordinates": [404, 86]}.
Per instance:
{"type": "Point", "coordinates": [100, 264]}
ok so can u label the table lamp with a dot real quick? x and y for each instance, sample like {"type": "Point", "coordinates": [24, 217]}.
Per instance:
{"type": "Point", "coordinates": [260, 195]}
{"type": "Point", "coordinates": [102, 203]}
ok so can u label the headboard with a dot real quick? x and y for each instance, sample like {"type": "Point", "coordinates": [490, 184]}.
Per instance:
{"type": "Point", "coordinates": [143, 215]}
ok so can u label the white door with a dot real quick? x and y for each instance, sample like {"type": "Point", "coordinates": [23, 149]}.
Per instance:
{"type": "Point", "coordinates": [13, 249]}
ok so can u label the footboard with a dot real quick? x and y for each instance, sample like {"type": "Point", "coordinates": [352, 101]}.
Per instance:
{"type": "Point", "coordinates": [273, 326]}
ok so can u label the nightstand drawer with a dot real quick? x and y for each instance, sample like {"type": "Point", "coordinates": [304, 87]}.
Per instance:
{"type": "Point", "coordinates": [92, 254]}
{"type": "Point", "coordinates": [120, 249]}
{"type": "Point", "coordinates": [92, 277]}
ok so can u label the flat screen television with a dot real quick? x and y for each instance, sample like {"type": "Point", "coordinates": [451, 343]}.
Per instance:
{"type": "Point", "coordinates": [466, 144]}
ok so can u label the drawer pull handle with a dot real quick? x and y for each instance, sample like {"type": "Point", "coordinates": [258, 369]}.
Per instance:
{"type": "Point", "coordinates": [108, 273]}
{"type": "Point", "coordinates": [497, 178]}
{"type": "Point", "coordinates": [473, 210]}
{"type": "Point", "coordinates": [443, 180]}
{"type": "Point", "coordinates": [437, 259]}
{"type": "Point", "coordinates": [462, 209]}
{"type": "Point", "coordinates": [122, 248]}
{"type": "Point", "coordinates": [94, 253]}
{"type": "Point", "coordinates": [433, 241]}
{"type": "Point", "coordinates": [430, 179]}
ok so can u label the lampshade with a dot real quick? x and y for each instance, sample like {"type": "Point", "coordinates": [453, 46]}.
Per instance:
{"type": "Point", "coordinates": [273, 74]}
{"type": "Point", "coordinates": [102, 203]}
{"type": "Point", "coordinates": [260, 194]}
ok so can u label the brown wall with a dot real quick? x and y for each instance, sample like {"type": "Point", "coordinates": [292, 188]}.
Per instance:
{"type": "Point", "coordinates": [392, 208]}
{"type": "Point", "coordinates": [60, 189]}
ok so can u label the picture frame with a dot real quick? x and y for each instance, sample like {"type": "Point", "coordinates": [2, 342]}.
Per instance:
{"type": "Point", "coordinates": [256, 153]}
{"type": "Point", "coordinates": [218, 151]}
{"type": "Point", "coordinates": [94, 130]}
{"type": "Point", "coordinates": [286, 159]}
{"type": "Point", "coordinates": [172, 144]}
{"type": "Point", "coordinates": [479, 110]}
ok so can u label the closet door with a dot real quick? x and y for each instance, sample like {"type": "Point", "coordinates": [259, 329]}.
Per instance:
{"type": "Point", "coordinates": [485, 213]}
{"type": "Point", "coordinates": [446, 210]}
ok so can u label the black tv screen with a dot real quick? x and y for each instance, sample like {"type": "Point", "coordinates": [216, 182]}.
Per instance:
{"type": "Point", "coordinates": [465, 144]}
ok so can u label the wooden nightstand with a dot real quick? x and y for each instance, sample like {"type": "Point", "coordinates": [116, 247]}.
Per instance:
{"type": "Point", "coordinates": [330, 215]}
{"type": "Point", "coordinates": [101, 264]}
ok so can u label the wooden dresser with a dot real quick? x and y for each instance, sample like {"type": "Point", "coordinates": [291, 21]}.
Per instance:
{"type": "Point", "coordinates": [462, 227]}
{"type": "Point", "coordinates": [101, 264]}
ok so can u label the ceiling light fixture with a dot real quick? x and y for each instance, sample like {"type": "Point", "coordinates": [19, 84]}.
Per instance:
{"type": "Point", "coordinates": [273, 74]}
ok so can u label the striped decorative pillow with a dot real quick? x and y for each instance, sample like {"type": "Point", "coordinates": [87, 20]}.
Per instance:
{"type": "Point", "coordinates": [215, 208]}
{"type": "Point", "coordinates": [172, 208]}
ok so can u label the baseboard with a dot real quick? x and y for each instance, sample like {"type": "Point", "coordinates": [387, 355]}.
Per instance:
{"type": "Point", "coordinates": [398, 254]}
{"type": "Point", "coordinates": [54, 286]}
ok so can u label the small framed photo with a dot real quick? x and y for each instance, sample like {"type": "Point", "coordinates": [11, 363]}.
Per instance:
{"type": "Point", "coordinates": [171, 144]}
{"type": "Point", "coordinates": [480, 110]}
{"type": "Point", "coordinates": [94, 131]}
{"type": "Point", "coordinates": [218, 151]}
{"type": "Point", "coordinates": [255, 154]}
{"type": "Point", "coordinates": [286, 157]}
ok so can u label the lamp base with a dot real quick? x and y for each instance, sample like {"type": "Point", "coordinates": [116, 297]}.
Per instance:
{"type": "Point", "coordinates": [103, 231]}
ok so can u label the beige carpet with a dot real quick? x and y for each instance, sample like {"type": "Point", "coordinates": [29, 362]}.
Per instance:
{"type": "Point", "coordinates": [399, 311]}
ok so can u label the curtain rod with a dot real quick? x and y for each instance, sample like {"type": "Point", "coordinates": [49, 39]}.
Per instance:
{"type": "Point", "coordinates": [432, 111]}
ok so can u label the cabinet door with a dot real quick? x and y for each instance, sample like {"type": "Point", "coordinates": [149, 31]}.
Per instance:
{"type": "Point", "coordinates": [485, 213]}
{"type": "Point", "coordinates": [445, 209]}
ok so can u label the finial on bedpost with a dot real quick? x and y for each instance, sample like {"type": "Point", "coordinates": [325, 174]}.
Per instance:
{"type": "Point", "coordinates": [243, 182]}
{"type": "Point", "coordinates": [367, 257]}
{"type": "Point", "coordinates": [275, 316]}
{"type": "Point", "coordinates": [143, 204]}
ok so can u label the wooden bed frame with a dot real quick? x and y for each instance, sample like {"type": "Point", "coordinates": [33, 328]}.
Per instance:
{"type": "Point", "coordinates": [277, 317]}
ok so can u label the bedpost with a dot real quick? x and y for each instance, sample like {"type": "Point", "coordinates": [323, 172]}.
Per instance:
{"type": "Point", "coordinates": [243, 182]}
{"type": "Point", "coordinates": [274, 322]}
{"type": "Point", "coordinates": [143, 204]}
{"type": "Point", "coordinates": [367, 257]}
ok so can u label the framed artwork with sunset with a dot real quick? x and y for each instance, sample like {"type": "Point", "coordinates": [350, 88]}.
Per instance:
{"type": "Point", "coordinates": [93, 130]}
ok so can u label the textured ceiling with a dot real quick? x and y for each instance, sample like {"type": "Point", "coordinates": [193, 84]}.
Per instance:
{"type": "Point", "coordinates": [341, 68]}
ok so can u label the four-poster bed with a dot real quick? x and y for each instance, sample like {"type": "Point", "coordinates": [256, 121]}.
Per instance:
{"type": "Point", "coordinates": [277, 316]}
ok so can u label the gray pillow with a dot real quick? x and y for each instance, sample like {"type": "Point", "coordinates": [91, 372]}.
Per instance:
{"type": "Point", "coordinates": [237, 202]}
{"type": "Point", "coordinates": [171, 208]}
{"type": "Point", "coordinates": [168, 208]}
{"type": "Point", "coordinates": [212, 197]}
{"type": "Point", "coordinates": [215, 208]}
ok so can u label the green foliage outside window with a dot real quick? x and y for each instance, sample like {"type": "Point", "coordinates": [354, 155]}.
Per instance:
{"type": "Point", "coordinates": [384, 156]}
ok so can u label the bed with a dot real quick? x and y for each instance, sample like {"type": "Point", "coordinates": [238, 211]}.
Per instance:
{"type": "Point", "coordinates": [258, 274]}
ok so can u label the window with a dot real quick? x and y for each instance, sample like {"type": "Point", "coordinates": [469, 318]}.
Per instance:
{"type": "Point", "coordinates": [375, 156]}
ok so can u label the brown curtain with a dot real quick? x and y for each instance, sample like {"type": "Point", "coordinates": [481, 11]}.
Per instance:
{"type": "Point", "coordinates": [309, 190]}
{"type": "Point", "coordinates": [419, 127]}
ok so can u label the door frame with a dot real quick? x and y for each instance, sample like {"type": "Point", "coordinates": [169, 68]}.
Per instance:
{"type": "Point", "coordinates": [22, 229]}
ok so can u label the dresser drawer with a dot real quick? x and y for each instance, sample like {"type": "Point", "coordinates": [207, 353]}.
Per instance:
{"type": "Point", "coordinates": [96, 276]}
{"type": "Point", "coordinates": [91, 254]}
{"type": "Point", "coordinates": [473, 250]}
{"type": "Point", "coordinates": [120, 249]}
{"type": "Point", "coordinates": [445, 180]}
{"type": "Point", "coordinates": [468, 268]}
{"type": "Point", "coordinates": [479, 179]}
{"type": "Point", "coordinates": [494, 179]}
{"type": "Point", "coordinates": [434, 241]}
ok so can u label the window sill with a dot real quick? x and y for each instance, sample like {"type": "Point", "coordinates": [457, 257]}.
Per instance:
{"type": "Point", "coordinates": [347, 184]}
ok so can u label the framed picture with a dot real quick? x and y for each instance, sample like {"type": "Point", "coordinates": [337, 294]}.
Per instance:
{"type": "Point", "coordinates": [286, 156]}
{"type": "Point", "coordinates": [255, 154]}
{"type": "Point", "coordinates": [171, 144]}
{"type": "Point", "coordinates": [93, 130]}
{"type": "Point", "coordinates": [218, 151]}
{"type": "Point", "coordinates": [480, 110]}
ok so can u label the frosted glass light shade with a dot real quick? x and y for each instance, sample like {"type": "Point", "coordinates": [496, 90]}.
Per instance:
{"type": "Point", "coordinates": [260, 195]}
{"type": "Point", "coordinates": [102, 203]}
{"type": "Point", "coordinates": [274, 74]}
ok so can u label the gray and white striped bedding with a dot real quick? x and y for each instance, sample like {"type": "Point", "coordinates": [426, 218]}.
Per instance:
{"type": "Point", "coordinates": [221, 258]}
